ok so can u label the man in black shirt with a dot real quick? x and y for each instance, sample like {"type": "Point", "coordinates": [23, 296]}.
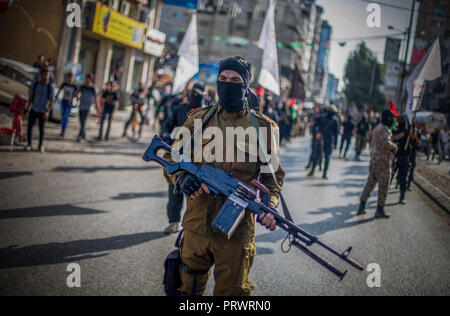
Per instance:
{"type": "Point", "coordinates": [110, 101]}
{"type": "Point", "coordinates": [403, 155]}
{"type": "Point", "coordinates": [69, 90]}
{"type": "Point", "coordinates": [347, 134]}
{"type": "Point", "coordinates": [361, 136]}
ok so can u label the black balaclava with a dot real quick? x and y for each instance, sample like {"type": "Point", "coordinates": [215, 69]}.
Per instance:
{"type": "Point", "coordinates": [196, 96]}
{"type": "Point", "coordinates": [232, 95]}
{"type": "Point", "coordinates": [387, 118]}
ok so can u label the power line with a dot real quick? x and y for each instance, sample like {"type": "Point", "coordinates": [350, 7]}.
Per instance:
{"type": "Point", "coordinates": [366, 38]}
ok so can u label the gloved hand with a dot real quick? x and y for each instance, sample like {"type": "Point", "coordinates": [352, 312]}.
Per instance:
{"type": "Point", "coordinates": [191, 185]}
{"type": "Point", "coordinates": [265, 219]}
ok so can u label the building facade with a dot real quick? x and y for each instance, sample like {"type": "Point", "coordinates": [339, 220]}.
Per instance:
{"type": "Point", "coordinates": [109, 43]}
{"type": "Point", "coordinates": [229, 28]}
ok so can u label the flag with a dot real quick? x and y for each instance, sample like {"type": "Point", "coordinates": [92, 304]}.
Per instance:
{"type": "Point", "coordinates": [269, 76]}
{"type": "Point", "coordinates": [428, 69]}
{"type": "Point", "coordinates": [392, 108]}
{"type": "Point", "coordinates": [188, 64]}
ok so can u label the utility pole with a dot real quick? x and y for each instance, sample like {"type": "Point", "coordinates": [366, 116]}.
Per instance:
{"type": "Point", "coordinates": [372, 81]}
{"type": "Point", "coordinates": [405, 60]}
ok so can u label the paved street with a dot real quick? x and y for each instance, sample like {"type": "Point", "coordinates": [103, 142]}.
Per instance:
{"type": "Point", "coordinates": [102, 207]}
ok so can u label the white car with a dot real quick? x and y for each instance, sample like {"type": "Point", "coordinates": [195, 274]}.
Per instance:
{"type": "Point", "coordinates": [15, 78]}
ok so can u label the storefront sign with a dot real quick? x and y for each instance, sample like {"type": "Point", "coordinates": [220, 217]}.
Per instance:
{"type": "Point", "coordinates": [118, 27]}
{"type": "Point", "coordinates": [154, 43]}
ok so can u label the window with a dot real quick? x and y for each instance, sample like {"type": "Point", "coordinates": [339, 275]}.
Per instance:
{"type": "Point", "coordinates": [8, 72]}
{"type": "Point", "coordinates": [439, 10]}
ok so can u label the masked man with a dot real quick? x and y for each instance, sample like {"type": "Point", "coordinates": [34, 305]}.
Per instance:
{"type": "Point", "coordinates": [201, 248]}
{"type": "Point", "coordinates": [176, 118]}
{"type": "Point", "coordinates": [383, 150]}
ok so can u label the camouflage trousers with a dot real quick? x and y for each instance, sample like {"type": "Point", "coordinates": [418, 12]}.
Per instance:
{"type": "Point", "coordinates": [379, 172]}
{"type": "Point", "coordinates": [233, 260]}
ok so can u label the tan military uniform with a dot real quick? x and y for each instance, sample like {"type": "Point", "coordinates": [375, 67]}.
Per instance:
{"type": "Point", "coordinates": [201, 248]}
{"type": "Point", "coordinates": [383, 150]}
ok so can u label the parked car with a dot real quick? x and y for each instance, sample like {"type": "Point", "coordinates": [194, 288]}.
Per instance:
{"type": "Point", "coordinates": [15, 78]}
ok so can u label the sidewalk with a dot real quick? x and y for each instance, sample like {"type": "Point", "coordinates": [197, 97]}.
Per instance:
{"type": "Point", "coordinates": [434, 180]}
{"type": "Point", "coordinates": [54, 143]}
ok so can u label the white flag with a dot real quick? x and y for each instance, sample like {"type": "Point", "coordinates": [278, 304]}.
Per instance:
{"type": "Point", "coordinates": [428, 69]}
{"type": "Point", "coordinates": [269, 77]}
{"type": "Point", "coordinates": [188, 58]}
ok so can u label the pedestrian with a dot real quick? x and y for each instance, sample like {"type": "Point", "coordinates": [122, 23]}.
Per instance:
{"type": "Point", "coordinates": [443, 143]}
{"type": "Point", "coordinates": [110, 101]}
{"type": "Point", "coordinates": [415, 145]}
{"type": "Point", "coordinates": [347, 134]}
{"type": "Point", "coordinates": [361, 136]}
{"type": "Point", "coordinates": [383, 151]}
{"type": "Point", "coordinates": [69, 93]}
{"type": "Point", "coordinates": [327, 137]}
{"type": "Point", "coordinates": [403, 155]}
{"type": "Point", "coordinates": [316, 141]}
{"type": "Point", "coordinates": [176, 119]}
{"type": "Point", "coordinates": [39, 62]}
{"type": "Point", "coordinates": [88, 96]}
{"type": "Point", "coordinates": [137, 104]}
{"type": "Point", "coordinates": [201, 248]}
{"type": "Point", "coordinates": [434, 149]}
{"type": "Point", "coordinates": [40, 104]}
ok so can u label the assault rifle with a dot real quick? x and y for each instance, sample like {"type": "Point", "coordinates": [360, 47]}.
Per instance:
{"type": "Point", "coordinates": [242, 197]}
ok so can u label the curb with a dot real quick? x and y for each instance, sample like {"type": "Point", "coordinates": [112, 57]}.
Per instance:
{"type": "Point", "coordinates": [433, 192]}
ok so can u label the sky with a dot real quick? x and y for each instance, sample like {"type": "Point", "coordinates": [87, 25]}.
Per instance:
{"type": "Point", "coordinates": [349, 20]}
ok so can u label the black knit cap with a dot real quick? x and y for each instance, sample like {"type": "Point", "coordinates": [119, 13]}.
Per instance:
{"type": "Point", "coordinates": [238, 64]}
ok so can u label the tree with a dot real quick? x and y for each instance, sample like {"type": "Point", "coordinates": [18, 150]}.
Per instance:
{"type": "Point", "coordinates": [361, 65]}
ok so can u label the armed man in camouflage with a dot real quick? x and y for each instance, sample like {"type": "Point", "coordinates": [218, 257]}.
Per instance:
{"type": "Point", "coordinates": [201, 248]}
{"type": "Point", "coordinates": [383, 150]}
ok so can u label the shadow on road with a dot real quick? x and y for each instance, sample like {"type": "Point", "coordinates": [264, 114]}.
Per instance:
{"type": "Point", "coordinates": [9, 175]}
{"type": "Point", "coordinates": [129, 196]}
{"type": "Point", "coordinates": [106, 168]}
{"type": "Point", "coordinates": [357, 170]}
{"type": "Point", "coordinates": [74, 251]}
{"type": "Point", "coordinates": [46, 211]}
{"type": "Point", "coordinates": [339, 220]}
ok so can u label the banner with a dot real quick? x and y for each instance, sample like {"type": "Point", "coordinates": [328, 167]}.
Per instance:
{"type": "Point", "coordinates": [392, 49]}
{"type": "Point", "coordinates": [428, 69]}
{"type": "Point", "coordinates": [208, 72]}
{"type": "Point", "coordinates": [188, 64]}
{"type": "Point", "coordinates": [269, 77]}
{"type": "Point", "coordinates": [154, 43]}
{"type": "Point", "coordinates": [113, 25]}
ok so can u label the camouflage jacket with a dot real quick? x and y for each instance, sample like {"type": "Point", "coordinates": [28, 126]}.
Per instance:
{"type": "Point", "coordinates": [383, 148]}
{"type": "Point", "coordinates": [201, 212]}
